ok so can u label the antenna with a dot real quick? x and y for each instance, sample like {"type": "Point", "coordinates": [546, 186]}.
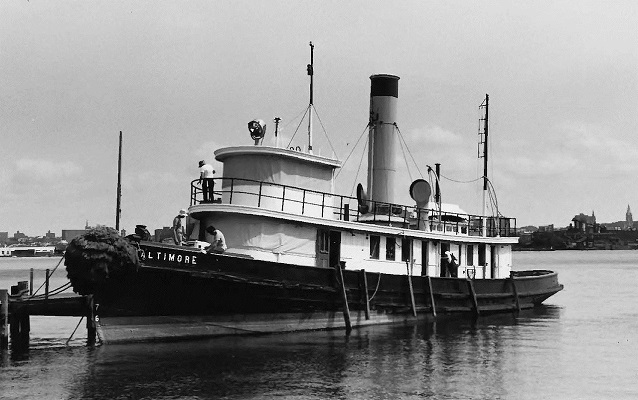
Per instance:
{"type": "Point", "coordinates": [310, 69]}
{"type": "Point", "coordinates": [277, 119]}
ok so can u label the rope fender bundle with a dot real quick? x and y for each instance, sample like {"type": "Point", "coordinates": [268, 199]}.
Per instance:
{"type": "Point", "coordinates": [98, 255]}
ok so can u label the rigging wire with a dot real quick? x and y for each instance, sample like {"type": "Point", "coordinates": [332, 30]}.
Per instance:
{"type": "Point", "coordinates": [300, 121]}
{"type": "Point", "coordinates": [365, 146]}
{"type": "Point", "coordinates": [410, 153]}
{"type": "Point", "coordinates": [353, 149]}
{"type": "Point", "coordinates": [324, 132]}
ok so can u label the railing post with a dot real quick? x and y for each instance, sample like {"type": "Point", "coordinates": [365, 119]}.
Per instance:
{"type": "Point", "coordinates": [323, 203]}
{"type": "Point", "coordinates": [283, 198]}
{"type": "Point", "coordinates": [303, 202]}
{"type": "Point", "coordinates": [259, 196]}
{"type": "Point", "coordinates": [232, 188]}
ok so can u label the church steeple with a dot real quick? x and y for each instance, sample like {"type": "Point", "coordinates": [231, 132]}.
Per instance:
{"type": "Point", "coordinates": [629, 220]}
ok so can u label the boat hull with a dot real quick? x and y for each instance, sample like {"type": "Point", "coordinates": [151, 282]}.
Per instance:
{"type": "Point", "coordinates": [181, 293]}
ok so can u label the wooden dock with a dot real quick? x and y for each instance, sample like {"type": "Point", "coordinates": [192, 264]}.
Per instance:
{"type": "Point", "coordinates": [19, 304]}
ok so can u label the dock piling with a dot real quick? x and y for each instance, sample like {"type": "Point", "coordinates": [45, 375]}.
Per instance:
{"type": "Point", "coordinates": [4, 319]}
{"type": "Point", "coordinates": [91, 328]}
{"type": "Point", "coordinates": [431, 296]}
{"type": "Point", "coordinates": [364, 281]}
{"type": "Point", "coordinates": [470, 286]}
{"type": "Point", "coordinates": [46, 285]}
{"type": "Point", "coordinates": [344, 297]}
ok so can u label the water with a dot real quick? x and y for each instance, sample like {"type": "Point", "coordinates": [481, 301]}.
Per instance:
{"type": "Point", "coordinates": [582, 345]}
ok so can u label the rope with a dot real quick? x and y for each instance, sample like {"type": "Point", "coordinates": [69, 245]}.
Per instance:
{"type": "Point", "coordinates": [76, 328]}
{"type": "Point", "coordinates": [358, 169]}
{"type": "Point", "coordinates": [457, 181]}
{"type": "Point", "coordinates": [50, 274]}
{"type": "Point", "coordinates": [377, 288]}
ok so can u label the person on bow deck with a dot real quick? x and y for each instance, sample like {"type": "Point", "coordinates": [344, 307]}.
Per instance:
{"type": "Point", "coordinates": [206, 173]}
{"type": "Point", "coordinates": [179, 227]}
{"type": "Point", "coordinates": [218, 241]}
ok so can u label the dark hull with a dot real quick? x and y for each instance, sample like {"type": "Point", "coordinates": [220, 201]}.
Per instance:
{"type": "Point", "coordinates": [182, 293]}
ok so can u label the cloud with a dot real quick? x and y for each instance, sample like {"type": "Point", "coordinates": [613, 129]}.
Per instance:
{"type": "Point", "coordinates": [45, 170]}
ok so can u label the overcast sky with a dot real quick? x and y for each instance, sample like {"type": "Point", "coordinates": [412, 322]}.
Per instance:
{"type": "Point", "coordinates": [182, 78]}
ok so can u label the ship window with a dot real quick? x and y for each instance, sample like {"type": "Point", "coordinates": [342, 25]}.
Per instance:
{"type": "Point", "coordinates": [390, 244]}
{"type": "Point", "coordinates": [406, 244]}
{"type": "Point", "coordinates": [470, 254]}
{"type": "Point", "coordinates": [375, 241]}
{"type": "Point", "coordinates": [323, 241]}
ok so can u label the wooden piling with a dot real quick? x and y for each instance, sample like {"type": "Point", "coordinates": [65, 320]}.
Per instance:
{"type": "Point", "coordinates": [46, 285]}
{"type": "Point", "coordinates": [91, 327]}
{"type": "Point", "coordinates": [431, 297]}
{"type": "Point", "coordinates": [518, 304]}
{"type": "Point", "coordinates": [411, 289]}
{"type": "Point", "coordinates": [344, 298]}
{"type": "Point", "coordinates": [364, 281]}
{"type": "Point", "coordinates": [31, 282]}
{"type": "Point", "coordinates": [4, 319]}
{"type": "Point", "coordinates": [470, 286]}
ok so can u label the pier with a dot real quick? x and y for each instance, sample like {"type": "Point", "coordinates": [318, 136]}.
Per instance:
{"type": "Point", "coordinates": [18, 304]}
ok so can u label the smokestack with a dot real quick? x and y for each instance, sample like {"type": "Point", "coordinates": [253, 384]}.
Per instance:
{"type": "Point", "coordinates": [384, 94]}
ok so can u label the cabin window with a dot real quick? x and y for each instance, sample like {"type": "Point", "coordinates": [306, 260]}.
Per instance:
{"type": "Point", "coordinates": [375, 241]}
{"type": "Point", "coordinates": [470, 254]}
{"type": "Point", "coordinates": [406, 244]}
{"type": "Point", "coordinates": [324, 241]}
{"type": "Point", "coordinates": [390, 247]}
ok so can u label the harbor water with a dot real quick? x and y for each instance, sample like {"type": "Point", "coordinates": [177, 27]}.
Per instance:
{"type": "Point", "coordinates": [583, 344]}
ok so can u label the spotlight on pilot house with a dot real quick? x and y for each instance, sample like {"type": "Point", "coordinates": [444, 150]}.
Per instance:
{"type": "Point", "coordinates": [257, 129]}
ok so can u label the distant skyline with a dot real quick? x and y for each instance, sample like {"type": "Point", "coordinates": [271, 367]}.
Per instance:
{"type": "Point", "coordinates": [181, 79]}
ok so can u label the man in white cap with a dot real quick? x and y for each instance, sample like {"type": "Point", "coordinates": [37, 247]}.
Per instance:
{"type": "Point", "coordinates": [179, 227]}
{"type": "Point", "coordinates": [451, 264]}
{"type": "Point", "coordinates": [206, 173]}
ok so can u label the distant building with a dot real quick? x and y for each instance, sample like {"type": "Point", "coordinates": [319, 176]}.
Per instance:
{"type": "Point", "coordinates": [4, 237]}
{"type": "Point", "coordinates": [164, 234]}
{"type": "Point", "coordinates": [585, 223]}
{"type": "Point", "coordinates": [19, 235]}
{"type": "Point", "coordinates": [49, 235]}
{"type": "Point", "coordinates": [629, 220]}
{"type": "Point", "coordinates": [546, 228]}
{"type": "Point", "coordinates": [69, 234]}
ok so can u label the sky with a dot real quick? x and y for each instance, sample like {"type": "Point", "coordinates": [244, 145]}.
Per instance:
{"type": "Point", "coordinates": [183, 78]}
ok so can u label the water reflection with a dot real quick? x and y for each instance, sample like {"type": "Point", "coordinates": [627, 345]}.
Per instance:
{"type": "Point", "coordinates": [448, 358]}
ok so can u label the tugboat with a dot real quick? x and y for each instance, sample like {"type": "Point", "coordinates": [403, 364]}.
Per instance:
{"type": "Point", "coordinates": [301, 256]}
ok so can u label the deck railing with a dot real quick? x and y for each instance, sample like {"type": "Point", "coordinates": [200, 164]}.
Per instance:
{"type": "Point", "coordinates": [302, 201]}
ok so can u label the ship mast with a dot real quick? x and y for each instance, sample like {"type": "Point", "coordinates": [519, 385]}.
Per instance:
{"type": "Point", "coordinates": [483, 141]}
{"type": "Point", "coordinates": [118, 209]}
{"type": "Point", "coordinates": [311, 73]}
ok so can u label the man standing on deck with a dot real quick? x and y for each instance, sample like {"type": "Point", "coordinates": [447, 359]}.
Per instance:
{"type": "Point", "coordinates": [206, 173]}
{"type": "Point", "coordinates": [179, 227]}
